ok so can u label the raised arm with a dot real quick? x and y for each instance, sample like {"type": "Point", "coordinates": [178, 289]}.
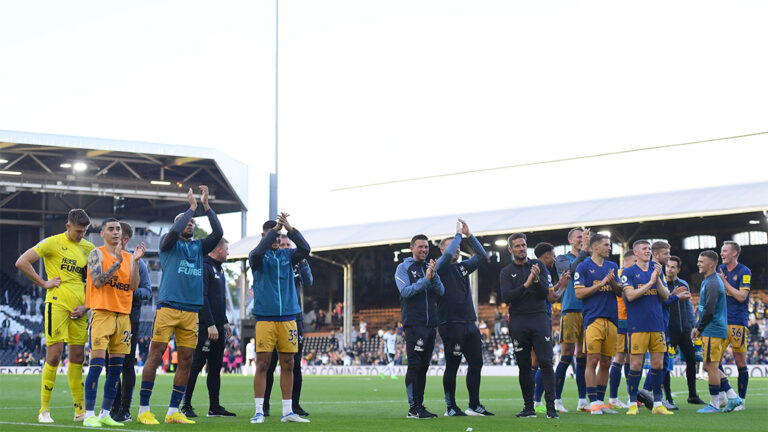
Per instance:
{"type": "Point", "coordinates": [217, 232]}
{"type": "Point", "coordinates": [301, 252]}
{"type": "Point", "coordinates": [168, 240]}
{"type": "Point", "coordinates": [445, 260]}
{"type": "Point", "coordinates": [256, 255]}
{"type": "Point", "coordinates": [480, 254]}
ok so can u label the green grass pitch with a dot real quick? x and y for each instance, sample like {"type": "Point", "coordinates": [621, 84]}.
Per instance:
{"type": "Point", "coordinates": [339, 403]}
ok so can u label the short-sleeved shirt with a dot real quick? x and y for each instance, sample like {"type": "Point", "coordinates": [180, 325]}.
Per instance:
{"type": "Point", "coordinates": [645, 314]}
{"type": "Point", "coordinates": [741, 279]}
{"type": "Point", "coordinates": [390, 340]}
{"type": "Point", "coordinates": [67, 260]}
{"type": "Point", "coordinates": [602, 303]}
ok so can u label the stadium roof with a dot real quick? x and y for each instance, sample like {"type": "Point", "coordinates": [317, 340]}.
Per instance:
{"type": "Point", "coordinates": [713, 201]}
{"type": "Point", "coordinates": [39, 174]}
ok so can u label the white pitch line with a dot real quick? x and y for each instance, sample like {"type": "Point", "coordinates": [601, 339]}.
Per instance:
{"type": "Point", "coordinates": [48, 425]}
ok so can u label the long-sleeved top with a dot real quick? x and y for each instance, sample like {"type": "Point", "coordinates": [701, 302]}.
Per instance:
{"type": "Point", "coordinates": [181, 285]}
{"type": "Point", "coordinates": [713, 315]}
{"type": "Point", "coordinates": [569, 262]}
{"type": "Point", "coordinates": [274, 287]}
{"type": "Point", "coordinates": [456, 304]}
{"type": "Point", "coordinates": [681, 317]}
{"type": "Point", "coordinates": [302, 277]}
{"type": "Point", "coordinates": [521, 300]}
{"type": "Point", "coordinates": [214, 310]}
{"type": "Point", "coordinates": [143, 291]}
{"type": "Point", "coordinates": [418, 295]}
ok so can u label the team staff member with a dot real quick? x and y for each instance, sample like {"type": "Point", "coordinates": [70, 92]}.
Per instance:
{"type": "Point", "coordinates": [275, 306]}
{"type": "Point", "coordinates": [525, 289]}
{"type": "Point", "coordinates": [644, 291]}
{"type": "Point", "coordinates": [302, 277]}
{"type": "Point", "coordinates": [457, 317]}
{"type": "Point", "coordinates": [572, 322]}
{"type": "Point", "coordinates": [596, 286]}
{"type": "Point", "coordinates": [681, 322]}
{"type": "Point", "coordinates": [121, 411]}
{"type": "Point", "coordinates": [213, 334]}
{"type": "Point", "coordinates": [113, 276]}
{"type": "Point", "coordinates": [65, 257]}
{"type": "Point", "coordinates": [179, 298]}
{"type": "Point", "coordinates": [713, 329]}
{"type": "Point", "coordinates": [420, 287]}
{"type": "Point", "coordinates": [737, 279]}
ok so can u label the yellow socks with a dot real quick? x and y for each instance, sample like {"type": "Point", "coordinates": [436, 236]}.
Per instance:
{"type": "Point", "coordinates": [46, 387]}
{"type": "Point", "coordinates": [75, 378]}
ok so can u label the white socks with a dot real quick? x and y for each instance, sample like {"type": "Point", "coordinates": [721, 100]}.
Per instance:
{"type": "Point", "coordinates": [104, 413]}
{"type": "Point", "coordinates": [731, 394]}
{"type": "Point", "coordinates": [714, 400]}
{"type": "Point", "coordinates": [172, 411]}
{"type": "Point", "coordinates": [143, 409]}
{"type": "Point", "coordinates": [259, 405]}
{"type": "Point", "coordinates": [89, 414]}
{"type": "Point", "coordinates": [657, 404]}
{"type": "Point", "coordinates": [287, 406]}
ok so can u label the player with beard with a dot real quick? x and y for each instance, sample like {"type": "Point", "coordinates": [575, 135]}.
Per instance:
{"type": "Point", "coordinates": [525, 289]}
{"type": "Point", "coordinates": [179, 298]}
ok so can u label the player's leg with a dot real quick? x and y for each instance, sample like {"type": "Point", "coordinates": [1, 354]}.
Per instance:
{"type": "Point", "coordinates": [287, 347]}
{"type": "Point", "coordinates": [538, 385]}
{"type": "Point", "coordinates": [429, 348]}
{"type": "Point", "coordinates": [76, 337]}
{"type": "Point", "coordinates": [473, 352]}
{"type": "Point", "coordinates": [48, 378]}
{"type": "Point", "coordinates": [593, 344]}
{"type": "Point", "coordinates": [162, 328]}
{"type": "Point", "coordinates": [199, 357]}
{"type": "Point", "coordinates": [737, 337]}
{"type": "Point", "coordinates": [186, 333]}
{"type": "Point", "coordinates": [684, 343]}
{"type": "Point", "coordinates": [452, 340]}
{"type": "Point", "coordinates": [712, 354]}
{"type": "Point", "coordinates": [125, 393]}
{"type": "Point", "coordinates": [119, 346]}
{"type": "Point", "coordinates": [637, 345]}
{"type": "Point", "coordinates": [614, 375]}
{"type": "Point", "coordinates": [269, 381]}
{"type": "Point", "coordinates": [266, 340]}
{"type": "Point", "coordinates": [568, 339]}
{"type": "Point", "coordinates": [658, 349]}
{"type": "Point", "coordinates": [541, 343]}
{"type": "Point", "coordinates": [298, 380]}
{"type": "Point", "coordinates": [213, 381]}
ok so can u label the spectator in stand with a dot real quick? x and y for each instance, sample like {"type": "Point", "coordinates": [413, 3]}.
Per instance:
{"type": "Point", "coordinates": [497, 321]}
{"type": "Point", "coordinates": [320, 319]}
{"type": "Point", "coordinates": [363, 330]}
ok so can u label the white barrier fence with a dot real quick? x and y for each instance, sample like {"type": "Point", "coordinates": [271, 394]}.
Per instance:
{"type": "Point", "coordinates": [679, 370]}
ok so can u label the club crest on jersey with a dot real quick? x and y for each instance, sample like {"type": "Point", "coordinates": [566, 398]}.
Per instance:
{"type": "Point", "coordinates": [457, 350]}
{"type": "Point", "coordinates": [463, 270]}
{"type": "Point", "coordinates": [576, 276]}
{"type": "Point", "coordinates": [414, 273]}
